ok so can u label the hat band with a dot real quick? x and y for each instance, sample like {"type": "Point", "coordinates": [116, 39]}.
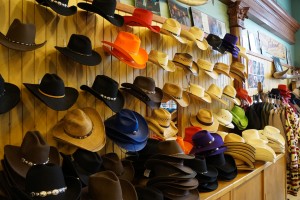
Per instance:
{"type": "Point", "coordinates": [79, 53]}
{"type": "Point", "coordinates": [164, 126]}
{"type": "Point", "coordinates": [52, 96]}
{"type": "Point", "coordinates": [148, 91]}
{"type": "Point", "coordinates": [59, 3]}
{"type": "Point", "coordinates": [32, 163]}
{"type": "Point", "coordinates": [204, 123]}
{"type": "Point", "coordinates": [172, 33]}
{"type": "Point", "coordinates": [176, 97]}
{"type": "Point", "coordinates": [79, 137]}
{"type": "Point", "coordinates": [207, 70]}
{"type": "Point", "coordinates": [2, 94]}
{"type": "Point", "coordinates": [19, 42]}
{"type": "Point", "coordinates": [229, 95]}
{"type": "Point", "coordinates": [108, 98]}
{"type": "Point", "coordinates": [53, 192]}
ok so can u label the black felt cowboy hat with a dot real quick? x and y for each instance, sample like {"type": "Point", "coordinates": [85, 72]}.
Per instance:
{"type": "Point", "coordinates": [53, 93]}
{"type": "Point", "coordinates": [80, 50]}
{"type": "Point", "coordinates": [9, 96]}
{"type": "Point", "coordinates": [20, 37]}
{"type": "Point", "coordinates": [59, 6]}
{"type": "Point", "coordinates": [106, 89]}
{"type": "Point", "coordinates": [104, 8]}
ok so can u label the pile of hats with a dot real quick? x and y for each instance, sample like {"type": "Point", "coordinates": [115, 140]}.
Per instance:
{"type": "Point", "coordinates": [239, 119]}
{"type": "Point", "coordinates": [275, 140]}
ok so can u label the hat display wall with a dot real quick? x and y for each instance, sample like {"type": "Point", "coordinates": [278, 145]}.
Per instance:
{"type": "Point", "coordinates": [161, 59]}
{"type": "Point", "coordinates": [222, 68]}
{"type": "Point", "coordinates": [80, 50]}
{"type": "Point", "coordinates": [205, 120]}
{"type": "Point", "coordinates": [9, 96]}
{"type": "Point", "coordinates": [175, 93]}
{"type": "Point", "coordinates": [105, 9]}
{"type": "Point", "coordinates": [199, 93]}
{"type": "Point", "coordinates": [225, 118]}
{"type": "Point", "coordinates": [229, 92]}
{"type": "Point", "coordinates": [208, 68]}
{"type": "Point", "coordinates": [59, 6]}
{"type": "Point", "coordinates": [33, 150]}
{"type": "Point", "coordinates": [238, 71]}
{"type": "Point", "coordinates": [215, 92]}
{"type": "Point", "coordinates": [52, 92]}
{"type": "Point", "coordinates": [20, 37]}
{"type": "Point", "coordinates": [193, 2]}
{"type": "Point", "coordinates": [161, 124]}
{"type": "Point", "coordinates": [185, 61]}
{"type": "Point", "coordinates": [127, 49]}
{"type": "Point", "coordinates": [82, 128]}
{"type": "Point", "coordinates": [141, 17]}
{"type": "Point", "coordinates": [105, 89]}
{"type": "Point", "coordinates": [172, 27]}
{"type": "Point", "coordinates": [144, 88]}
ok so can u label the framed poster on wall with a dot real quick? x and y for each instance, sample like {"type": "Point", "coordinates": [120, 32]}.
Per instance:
{"type": "Point", "coordinates": [179, 12]}
{"type": "Point", "coordinates": [152, 5]}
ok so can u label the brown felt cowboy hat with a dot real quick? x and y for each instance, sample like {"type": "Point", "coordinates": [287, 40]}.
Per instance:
{"type": "Point", "coordinates": [9, 96]}
{"type": "Point", "coordinates": [33, 150]}
{"type": "Point", "coordinates": [82, 128]}
{"type": "Point", "coordinates": [20, 37]}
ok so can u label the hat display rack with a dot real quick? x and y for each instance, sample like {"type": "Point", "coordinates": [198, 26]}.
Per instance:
{"type": "Point", "coordinates": [93, 115]}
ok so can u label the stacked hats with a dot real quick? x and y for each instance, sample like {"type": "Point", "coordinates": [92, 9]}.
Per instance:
{"type": "Point", "coordinates": [239, 117]}
{"type": "Point", "coordinates": [243, 154]}
{"type": "Point", "coordinates": [128, 129]}
{"type": "Point", "coordinates": [185, 61]}
{"type": "Point", "coordinates": [168, 173]}
{"type": "Point", "coordinates": [238, 71]}
{"type": "Point", "coordinates": [275, 140]}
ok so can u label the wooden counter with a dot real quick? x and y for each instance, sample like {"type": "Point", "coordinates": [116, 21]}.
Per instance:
{"type": "Point", "coordinates": [266, 182]}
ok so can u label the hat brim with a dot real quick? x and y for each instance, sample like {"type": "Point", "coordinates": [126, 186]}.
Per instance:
{"type": "Point", "coordinates": [224, 122]}
{"type": "Point", "coordinates": [135, 21]}
{"type": "Point", "coordinates": [19, 46]}
{"type": "Point", "coordinates": [206, 97]}
{"type": "Point", "coordinates": [213, 74]}
{"type": "Point", "coordinates": [115, 106]}
{"type": "Point", "coordinates": [13, 178]}
{"type": "Point", "coordinates": [212, 128]}
{"type": "Point", "coordinates": [116, 20]}
{"type": "Point", "coordinates": [10, 98]}
{"type": "Point", "coordinates": [89, 60]}
{"type": "Point", "coordinates": [94, 142]}
{"type": "Point", "coordinates": [213, 96]}
{"type": "Point", "coordinates": [150, 163]}
{"type": "Point", "coordinates": [66, 11]}
{"type": "Point", "coordinates": [203, 45]}
{"type": "Point", "coordinates": [59, 104]}
{"type": "Point", "coordinates": [183, 102]}
{"type": "Point", "coordinates": [14, 159]}
{"type": "Point", "coordinates": [236, 101]}
{"type": "Point", "coordinates": [170, 67]}
{"type": "Point", "coordinates": [208, 187]}
{"type": "Point", "coordinates": [241, 157]}
{"type": "Point", "coordinates": [178, 38]}
{"type": "Point", "coordinates": [164, 133]}
{"type": "Point", "coordinates": [193, 2]}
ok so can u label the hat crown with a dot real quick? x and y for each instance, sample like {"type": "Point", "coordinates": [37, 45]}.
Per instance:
{"type": "Point", "coordinates": [44, 178]}
{"type": "Point", "coordinates": [173, 90]}
{"type": "Point", "coordinates": [128, 42]}
{"type": "Point", "coordinates": [222, 67]}
{"type": "Point", "coordinates": [127, 120]}
{"type": "Point", "coordinates": [189, 132]}
{"type": "Point", "coordinates": [238, 111]}
{"type": "Point", "coordinates": [197, 90]}
{"type": "Point", "coordinates": [169, 148]}
{"type": "Point", "coordinates": [21, 33]}
{"type": "Point", "coordinates": [147, 84]}
{"type": "Point", "coordinates": [89, 161]}
{"type": "Point", "coordinates": [144, 14]}
{"type": "Point", "coordinates": [225, 115]}
{"type": "Point", "coordinates": [80, 44]}
{"type": "Point", "coordinates": [232, 137]}
{"type": "Point", "coordinates": [52, 85]}
{"type": "Point", "coordinates": [184, 59]}
{"type": "Point", "coordinates": [214, 40]}
{"type": "Point", "coordinates": [160, 57]}
{"type": "Point", "coordinates": [205, 117]}
{"type": "Point", "coordinates": [198, 164]}
{"type": "Point", "coordinates": [283, 87]}
{"type": "Point", "coordinates": [205, 65]}
{"type": "Point", "coordinates": [34, 148]}
{"type": "Point", "coordinates": [202, 138]}
{"type": "Point", "coordinates": [172, 26]}
{"type": "Point", "coordinates": [162, 116]}
{"type": "Point", "coordinates": [187, 35]}
{"type": "Point", "coordinates": [108, 8]}
{"type": "Point", "coordinates": [229, 91]}
{"type": "Point", "coordinates": [106, 86]}
{"type": "Point", "coordinates": [230, 38]}
{"type": "Point", "coordinates": [237, 66]}
{"type": "Point", "coordinates": [105, 178]}
{"type": "Point", "coordinates": [2, 89]}
{"type": "Point", "coordinates": [250, 134]}
{"type": "Point", "coordinates": [111, 161]}
{"type": "Point", "coordinates": [77, 123]}
{"type": "Point", "coordinates": [197, 32]}
{"type": "Point", "coordinates": [215, 90]}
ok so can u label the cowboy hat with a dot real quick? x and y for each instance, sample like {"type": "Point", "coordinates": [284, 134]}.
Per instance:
{"type": "Point", "coordinates": [189, 132]}
{"type": "Point", "coordinates": [82, 128]}
{"type": "Point", "coordinates": [215, 42]}
{"type": "Point", "coordinates": [106, 89]}
{"type": "Point", "coordinates": [199, 92]}
{"type": "Point", "coordinates": [207, 67]}
{"type": "Point", "coordinates": [224, 163]}
{"type": "Point", "coordinates": [215, 92]}
{"type": "Point", "coordinates": [198, 164]}
{"type": "Point", "coordinates": [172, 27]}
{"type": "Point", "coordinates": [242, 94]}
{"type": "Point", "coordinates": [20, 37]}
{"type": "Point", "coordinates": [151, 163]}
{"type": "Point", "coordinates": [205, 142]}
{"type": "Point", "coordinates": [239, 117]}
{"type": "Point", "coordinates": [161, 59]}
{"type": "Point", "coordinates": [148, 193]}
{"type": "Point", "coordinates": [199, 38]}
{"type": "Point", "coordinates": [193, 2]}
{"type": "Point", "coordinates": [205, 120]}
{"type": "Point", "coordinates": [185, 146]}
{"type": "Point", "coordinates": [185, 61]}
{"type": "Point", "coordinates": [238, 71]}
{"type": "Point", "coordinates": [222, 68]}
{"type": "Point", "coordinates": [170, 149]}
{"type": "Point", "coordinates": [273, 134]}
{"type": "Point", "coordinates": [80, 50]}
{"type": "Point", "coordinates": [105, 9]}
{"type": "Point", "coordinates": [9, 96]}
{"type": "Point", "coordinates": [175, 92]}
{"type": "Point", "coordinates": [225, 118]}
{"type": "Point", "coordinates": [59, 6]}
{"type": "Point", "coordinates": [33, 150]}
{"type": "Point", "coordinates": [52, 92]}
{"type": "Point", "coordinates": [229, 92]}
{"type": "Point", "coordinates": [126, 48]}
{"type": "Point", "coordinates": [141, 17]}
{"type": "Point", "coordinates": [243, 52]}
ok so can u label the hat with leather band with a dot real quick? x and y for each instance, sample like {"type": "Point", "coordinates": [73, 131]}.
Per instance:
{"type": "Point", "coordinates": [205, 120]}
{"type": "Point", "coordinates": [222, 68]}
{"type": "Point", "coordinates": [199, 92]}
{"type": "Point", "coordinates": [225, 118]}
{"type": "Point", "coordinates": [216, 93]}
{"type": "Point", "coordinates": [238, 71]}
{"type": "Point", "coordinates": [161, 59]}
{"type": "Point", "coordinates": [208, 68]}
{"type": "Point", "coordinates": [172, 28]}
{"type": "Point", "coordinates": [185, 61]}
{"type": "Point", "coordinates": [175, 92]}
{"type": "Point", "coordinates": [229, 92]}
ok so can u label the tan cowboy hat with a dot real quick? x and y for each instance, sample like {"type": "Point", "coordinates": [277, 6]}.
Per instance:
{"type": "Point", "coordinates": [243, 52]}
{"type": "Point", "coordinates": [200, 39]}
{"type": "Point", "coordinates": [161, 123]}
{"type": "Point", "coordinates": [161, 59]}
{"type": "Point", "coordinates": [222, 134]}
{"type": "Point", "coordinates": [229, 92]}
{"type": "Point", "coordinates": [232, 137]}
{"type": "Point", "coordinates": [222, 68]}
{"type": "Point", "coordinates": [225, 118]}
{"type": "Point", "coordinates": [83, 128]}
{"type": "Point", "coordinates": [172, 28]}
{"type": "Point", "coordinates": [199, 92]}
{"type": "Point", "coordinates": [208, 68]}
{"type": "Point", "coordinates": [238, 71]}
{"type": "Point", "coordinates": [240, 156]}
{"type": "Point", "coordinates": [175, 92]}
{"type": "Point", "coordinates": [193, 2]}
{"type": "Point", "coordinates": [262, 150]}
{"type": "Point", "coordinates": [253, 134]}
{"type": "Point", "coordinates": [185, 61]}
{"type": "Point", "coordinates": [205, 120]}
{"type": "Point", "coordinates": [273, 134]}
{"type": "Point", "coordinates": [216, 93]}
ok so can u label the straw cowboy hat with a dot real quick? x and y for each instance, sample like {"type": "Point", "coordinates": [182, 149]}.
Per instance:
{"type": "Point", "coordinates": [52, 92]}
{"type": "Point", "coordinates": [216, 93]}
{"type": "Point", "coordinates": [172, 27]}
{"type": "Point", "coordinates": [80, 50]}
{"type": "Point", "coordinates": [229, 92]}
{"type": "Point", "coordinates": [82, 128]}
{"type": "Point", "coordinates": [225, 118]}
{"type": "Point", "coordinates": [200, 39]}
{"type": "Point", "coordinates": [199, 92]}
{"type": "Point", "coordinates": [59, 6]}
{"type": "Point", "coordinates": [9, 96]}
{"type": "Point", "coordinates": [208, 68]}
{"type": "Point", "coordinates": [104, 8]}
{"type": "Point", "coordinates": [161, 124]}
{"type": "Point", "coordinates": [185, 61]}
{"type": "Point", "coordinates": [127, 48]}
{"type": "Point", "coordinates": [33, 150]}
{"type": "Point", "coordinates": [141, 17]}
{"type": "Point", "coordinates": [222, 68]}
{"type": "Point", "coordinates": [20, 37]}
{"type": "Point", "coordinates": [273, 134]}
{"type": "Point", "coordinates": [243, 52]}
{"type": "Point", "coordinates": [175, 93]}
{"type": "Point", "coordinates": [193, 2]}
{"type": "Point", "coordinates": [161, 59]}
{"type": "Point", "coordinates": [238, 71]}
{"type": "Point", "coordinates": [205, 120]}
